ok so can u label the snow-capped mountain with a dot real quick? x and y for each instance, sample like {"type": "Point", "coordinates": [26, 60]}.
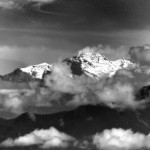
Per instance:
{"type": "Point", "coordinates": [29, 73]}
{"type": "Point", "coordinates": [37, 71]}
{"type": "Point", "coordinates": [91, 64]}
{"type": "Point", "coordinates": [95, 65]}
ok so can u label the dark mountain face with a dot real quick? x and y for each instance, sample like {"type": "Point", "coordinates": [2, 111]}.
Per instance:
{"type": "Point", "coordinates": [17, 76]}
{"type": "Point", "coordinates": [75, 65]}
{"type": "Point", "coordinates": [81, 122]}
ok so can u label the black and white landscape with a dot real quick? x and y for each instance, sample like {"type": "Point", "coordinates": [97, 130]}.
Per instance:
{"type": "Point", "coordinates": [75, 74]}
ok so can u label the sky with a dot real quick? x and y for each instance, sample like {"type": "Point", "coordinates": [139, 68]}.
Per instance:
{"type": "Point", "coordinates": [36, 31]}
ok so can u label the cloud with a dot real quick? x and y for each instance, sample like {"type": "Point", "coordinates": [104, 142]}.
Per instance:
{"type": "Point", "coordinates": [17, 4]}
{"type": "Point", "coordinates": [15, 100]}
{"type": "Point", "coordinates": [44, 138]}
{"type": "Point", "coordinates": [18, 98]}
{"type": "Point", "coordinates": [114, 95]}
{"type": "Point", "coordinates": [7, 4]}
{"type": "Point", "coordinates": [117, 95]}
{"type": "Point", "coordinates": [61, 79]}
{"type": "Point", "coordinates": [18, 101]}
{"type": "Point", "coordinates": [140, 54]}
{"type": "Point", "coordinates": [120, 139]}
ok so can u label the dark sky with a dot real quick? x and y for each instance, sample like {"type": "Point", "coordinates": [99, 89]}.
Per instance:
{"type": "Point", "coordinates": [35, 31]}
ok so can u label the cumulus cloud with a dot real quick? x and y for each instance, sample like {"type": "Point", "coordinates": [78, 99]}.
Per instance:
{"type": "Point", "coordinates": [117, 95]}
{"type": "Point", "coordinates": [44, 138]}
{"type": "Point", "coordinates": [61, 79]}
{"type": "Point", "coordinates": [114, 95]}
{"type": "Point", "coordinates": [120, 139]}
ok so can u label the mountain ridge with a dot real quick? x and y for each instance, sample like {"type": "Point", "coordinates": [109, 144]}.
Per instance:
{"type": "Point", "coordinates": [91, 64]}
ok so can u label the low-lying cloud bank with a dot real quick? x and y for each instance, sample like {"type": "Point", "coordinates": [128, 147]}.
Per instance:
{"type": "Point", "coordinates": [120, 139]}
{"type": "Point", "coordinates": [109, 139]}
{"type": "Point", "coordinates": [44, 138]}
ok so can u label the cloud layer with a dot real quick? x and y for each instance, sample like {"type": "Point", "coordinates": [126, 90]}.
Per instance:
{"type": "Point", "coordinates": [44, 138]}
{"type": "Point", "coordinates": [112, 93]}
{"type": "Point", "coordinates": [120, 139]}
{"type": "Point", "coordinates": [109, 139]}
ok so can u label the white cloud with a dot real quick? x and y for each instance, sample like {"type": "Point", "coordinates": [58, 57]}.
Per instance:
{"type": "Point", "coordinates": [112, 93]}
{"type": "Point", "coordinates": [13, 105]}
{"type": "Point", "coordinates": [117, 95]}
{"type": "Point", "coordinates": [45, 138]}
{"type": "Point", "coordinates": [120, 139]}
{"type": "Point", "coordinates": [140, 54]}
{"type": "Point", "coordinates": [61, 80]}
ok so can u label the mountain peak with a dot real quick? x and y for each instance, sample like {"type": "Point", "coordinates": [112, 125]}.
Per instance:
{"type": "Point", "coordinates": [96, 65]}
{"type": "Point", "coordinates": [37, 71]}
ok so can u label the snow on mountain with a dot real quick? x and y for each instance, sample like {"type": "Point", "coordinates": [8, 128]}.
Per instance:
{"type": "Point", "coordinates": [96, 65]}
{"type": "Point", "coordinates": [86, 62]}
{"type": "Point", "coordinates": [92, 64]}
{"type": "Point", "coordinates": [27, 74]}
{"type": "Point", "coordinates": [37, 71]}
